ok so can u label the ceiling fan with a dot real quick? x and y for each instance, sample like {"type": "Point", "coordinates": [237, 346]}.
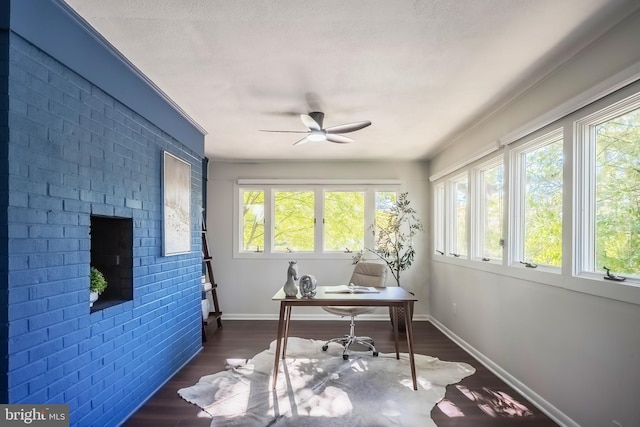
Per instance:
{"type": "Point", "coordinates": [316, 133]}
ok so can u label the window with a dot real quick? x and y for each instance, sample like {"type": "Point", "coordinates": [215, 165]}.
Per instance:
{"type": "Point", "coordinates": [385, 200]}
{"type": "Point", "coordinates": [459, 217]}
{"type": "Point", "coordinates": [293, 221]}
{"type": "Point", "coordinates": [252, 220]}
{"type": "Point", "coordinates": [438, 219]}
{"type": "Point", "coordinates": [521, 212]}
{"type": "Point", "coordinates": [309, 220]}
{"type": "Point", "coordinates": [489, 215]}
{"type": "Point", "coordinates": [343, 220]}
{"type": "Point", "coordinates": [610, 147]}
{"type": "Point", "coordinates": [538, 201]}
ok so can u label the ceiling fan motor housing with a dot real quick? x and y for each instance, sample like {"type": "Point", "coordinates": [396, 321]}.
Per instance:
{"type": "Point", "coordinates": [318, 116]}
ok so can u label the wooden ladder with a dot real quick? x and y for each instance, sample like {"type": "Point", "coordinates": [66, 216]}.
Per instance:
{"type": "Point", "coordinates": [216, 314]}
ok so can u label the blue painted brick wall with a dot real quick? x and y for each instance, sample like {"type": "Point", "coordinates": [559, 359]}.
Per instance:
{"type": "Point", "coordinates": [75, 151]}
{"type": "Point", "coordinates": [4, 201]}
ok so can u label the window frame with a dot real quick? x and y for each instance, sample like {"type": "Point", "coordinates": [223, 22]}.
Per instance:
{"type": "Point", "coordinates": [266, 234]}
{"type": "Point", "coordinates": [451, 238]}
{"type": "Point", "coordinates": [439, 219]}
{"type": "Point", "coordinates": [322, 228]}
{"type": "Point", "coordinates": [517, 179]}
{"type": "Point", "coordinates": [319, 188]}
{"type": "Point", "coordinates": [584, 145]}
{"type": "Point", "coordinates": [272, 224]}
{"type": "Point", "coordinates": [570, 276]}
{"type": "Point", "coordinates": [478, 214]}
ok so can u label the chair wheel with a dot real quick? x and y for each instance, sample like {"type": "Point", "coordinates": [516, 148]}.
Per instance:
{"type": "Point", "coordinates": [325, 347]}
{"type": "Point", "coordinates": [375, 354]}
{"type": "Point", "coordinates": [345, 357]}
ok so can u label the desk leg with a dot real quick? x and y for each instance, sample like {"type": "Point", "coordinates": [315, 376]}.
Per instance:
{"type": "Point", "coordinates": [281, 324]}
{"type": "Point", "coordinates": [394, 311]}
{"type": "Point", "coordinates": [287, 319]}
{"type": "Point", "coordinates": [409, 327]}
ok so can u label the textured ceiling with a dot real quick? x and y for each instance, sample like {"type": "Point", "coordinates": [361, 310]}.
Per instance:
{"type": "Point", "coordinates": [420, 71]}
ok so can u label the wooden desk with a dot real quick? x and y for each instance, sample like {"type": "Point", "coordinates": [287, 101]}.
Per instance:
{"type": "Point", "coordinates": [393, 297]}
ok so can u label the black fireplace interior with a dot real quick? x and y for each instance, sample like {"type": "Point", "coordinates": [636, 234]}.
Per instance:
{"type": "Point", "coordinates": [112, 254]}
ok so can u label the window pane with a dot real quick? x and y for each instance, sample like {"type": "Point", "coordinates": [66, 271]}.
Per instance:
{"type": "Point", "coordinates": [438, 218]}
{"type": "Point", "coordinates": [492, 188]}
{"type": "Point", "coordinates": [460, 202]}
{"type": "Point", "coordinates": [293, 221]}
{"type": "Point", "coordinates": [343, 220]}
{"type": "Point", "coordinates": [252, 220]}
{"type": "Point", "coordinates": [617, 216]}
{"type": "Point", "coordinates": [385, 202]}
{"type": "Point", "coordinates": [543, 204]}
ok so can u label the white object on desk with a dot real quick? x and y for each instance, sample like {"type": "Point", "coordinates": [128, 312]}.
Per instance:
{"type": "Point", "coordinates": [351, 289]}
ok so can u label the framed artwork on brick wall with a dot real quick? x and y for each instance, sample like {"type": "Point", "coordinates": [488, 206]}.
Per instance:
{"type": "Point", "coordinates": [176, 205]}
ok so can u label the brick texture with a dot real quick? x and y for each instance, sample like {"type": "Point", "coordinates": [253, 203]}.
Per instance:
{"type": "Point", "coordinates": [5, 262]}
{"type": "Point", "coordinates": [75, 151]}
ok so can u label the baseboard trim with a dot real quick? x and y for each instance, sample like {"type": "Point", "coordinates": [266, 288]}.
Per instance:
{"type": "Point", "coordinates": [551, 411]}
{"type": "Point", "coordinates": [376, 317]}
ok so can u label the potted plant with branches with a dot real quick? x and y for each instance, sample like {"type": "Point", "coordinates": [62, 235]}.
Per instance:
{"type": "Point", "coordinates": [393, 237]}
{"type": "Point", "coordinates": [97, 285]}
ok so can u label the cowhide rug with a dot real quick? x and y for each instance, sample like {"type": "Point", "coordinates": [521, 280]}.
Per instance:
{"type": "Point", "coordinates": [317, 388]}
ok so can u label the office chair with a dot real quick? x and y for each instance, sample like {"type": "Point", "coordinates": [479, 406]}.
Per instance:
{"type": "Point", "coordinates": [364, 274]}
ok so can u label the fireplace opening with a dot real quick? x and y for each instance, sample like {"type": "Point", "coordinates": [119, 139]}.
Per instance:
{"type": "Point", "coordinates": [112, 254]}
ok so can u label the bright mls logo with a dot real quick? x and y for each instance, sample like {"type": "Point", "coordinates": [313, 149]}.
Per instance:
{"type": "Point", "coordinates": [36, 415]}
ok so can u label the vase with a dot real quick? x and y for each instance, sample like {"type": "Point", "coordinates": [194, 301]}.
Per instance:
{"type": "Point", "coordinates": [290, 288]}
{"type": "Point", "coordinates": [93, 297]}
{"type": "Point", "coordinates": [308, 285]}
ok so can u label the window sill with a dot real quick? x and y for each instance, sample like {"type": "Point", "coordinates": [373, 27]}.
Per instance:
{"type": "Point", "coordinates": [106, 303]}
{"type": "Point", "coordinates": [294, 255]}
{"type": "Point", "coordinates": [627, 291]}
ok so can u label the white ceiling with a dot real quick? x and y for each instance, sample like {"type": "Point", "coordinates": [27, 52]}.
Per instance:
{"type": "Point", "coordinates": [421, 71]}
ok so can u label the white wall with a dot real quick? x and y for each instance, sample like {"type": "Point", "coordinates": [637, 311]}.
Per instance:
{"type": "Point", "coordinates": [247, 285]}
{"type": "Point", "coordinates": [579, 353]}
{"type": "Point", "coordinates": [612, 54]}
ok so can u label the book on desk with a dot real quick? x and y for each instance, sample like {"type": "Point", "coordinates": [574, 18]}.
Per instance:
{"type": "Point", "coordinates": [350, 289]}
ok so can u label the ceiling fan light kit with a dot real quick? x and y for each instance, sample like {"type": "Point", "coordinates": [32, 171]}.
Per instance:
{"type": "Point", "coordinates": [317, 136]}
{"type": "Point", "coordinates": [316, 133]}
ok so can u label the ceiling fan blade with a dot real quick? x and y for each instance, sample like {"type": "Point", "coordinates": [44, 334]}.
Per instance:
{"type": "Point", "coordinates": [302, 141]}
{"type": "Point", "coordinates": [284, 131]}
{"type": "Point", "coordinates": [338, 138]}
{"type": "Point", "coordinates": [309, 122]}
{"type": "Point", "coordinates": [349, 127]}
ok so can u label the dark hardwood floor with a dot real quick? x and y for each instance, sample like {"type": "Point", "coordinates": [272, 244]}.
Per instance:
{"type": "Point", "coordinates": [480, 400]}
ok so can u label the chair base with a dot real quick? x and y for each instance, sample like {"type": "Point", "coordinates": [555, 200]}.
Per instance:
{"type": "Point", "coordinates": [347, 340]}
